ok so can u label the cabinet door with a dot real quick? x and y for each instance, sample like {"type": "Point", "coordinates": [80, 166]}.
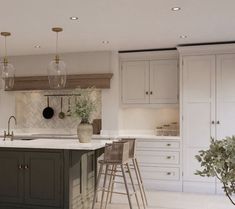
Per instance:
{"type": "Point", "coordinates": [198, 111]}
{"type": "Point", "coordinates": [135, 82]}
{"type": "Point", "coordinates": [225, 95]}
{"type": "Point", "coordinates": [11, 177]}
{"type": "Point", "coordinates": [164, 81]}
{"type": "Point", "coordinates": [43, 179]}
{"type": "Point", "coordinates": [198, 100]}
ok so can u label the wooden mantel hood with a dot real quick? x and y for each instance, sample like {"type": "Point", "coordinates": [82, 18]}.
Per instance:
{"type": "Point", "coordinates": [100, 81]}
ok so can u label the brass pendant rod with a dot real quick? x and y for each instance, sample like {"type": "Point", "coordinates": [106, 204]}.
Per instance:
{"type": "Point", "coordinates": [5, 34]}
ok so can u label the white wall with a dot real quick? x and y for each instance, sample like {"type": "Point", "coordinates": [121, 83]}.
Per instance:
{"type": "Point", "coordinates": [77, 63]}
{"type": "Point", "coordinates": [110, 100]}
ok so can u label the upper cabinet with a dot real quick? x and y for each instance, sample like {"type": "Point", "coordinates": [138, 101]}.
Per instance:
{"type": "Point", "coordinates": [149, 81]}
{"type": "Point", "coordinates": [135, 82]}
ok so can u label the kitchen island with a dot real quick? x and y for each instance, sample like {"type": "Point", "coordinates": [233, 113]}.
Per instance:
{"type": "Point", "coordinates": [48, 173]}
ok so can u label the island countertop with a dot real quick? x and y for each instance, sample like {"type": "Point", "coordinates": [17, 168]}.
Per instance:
{"type": "Point", "coordinates": [62, 144]}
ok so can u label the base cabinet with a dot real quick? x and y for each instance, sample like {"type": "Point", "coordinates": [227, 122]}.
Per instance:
{"type": "Point", "coordinates": [47, 179]}
{"type": "Point", "coordinates": [160, 164]}
{"type": "Point", "coordinates": [11, 177]}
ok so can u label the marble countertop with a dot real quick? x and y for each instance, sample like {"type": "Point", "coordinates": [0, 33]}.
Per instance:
{"type": "Point", "coordinates": [43, 143]}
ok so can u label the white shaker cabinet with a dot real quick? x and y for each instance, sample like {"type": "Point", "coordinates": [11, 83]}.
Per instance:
{"type": "Point", "coordinates": [149, 82]}
{"type": "Point", "coordinates": [164, 81]}
{"type": "Point", "coordinates": [160, 163]}
{"type": "Point", "coordinates": [207, 106]}
{"type": "Point", "coordinates": [135, 82]}
{"type": "Point", "coordinates": [225, 114]}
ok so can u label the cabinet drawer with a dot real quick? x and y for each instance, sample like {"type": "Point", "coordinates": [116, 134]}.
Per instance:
{"type": "Point", "coordinates": [160, 173]}
{"type": "Point", "coordinates": [157, 157]}
{"type": "Point", "coordinates": [149, 145]}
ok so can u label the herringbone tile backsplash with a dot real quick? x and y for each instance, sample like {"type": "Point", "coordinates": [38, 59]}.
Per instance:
{"type": "Point", "coordinates": [30, 105]}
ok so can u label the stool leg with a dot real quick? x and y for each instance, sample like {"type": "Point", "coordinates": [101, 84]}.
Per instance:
{"type": "Point", "coordinates": [139, 183]}
{"type": "Point", "coordinates": [141, 180]}
{"type": "Point", "coordinates": [133, 185]}
{"type": "Point", "coordinates": [109, 186]}
{"type": "Point", "coordinates": [112, 187]}
{"type": "Point", "coordinates": [97, 186]}
{"type": "Point", "coordinates": [126, 186]}
{"type": "Point", "coordinates": [104, 184]}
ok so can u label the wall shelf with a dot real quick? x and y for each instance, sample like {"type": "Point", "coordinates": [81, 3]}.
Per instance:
{"type": "Point", "coordinates": [100, 81]}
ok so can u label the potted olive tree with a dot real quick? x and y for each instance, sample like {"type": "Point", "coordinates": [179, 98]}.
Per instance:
{"type": "Point", "coordinates": [85, 105]}
{"type": "Point", "coordinates": [219, 161]}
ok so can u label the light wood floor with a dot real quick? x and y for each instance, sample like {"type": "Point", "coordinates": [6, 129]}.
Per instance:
{"type": "Point", "coordinates": [175, 200]}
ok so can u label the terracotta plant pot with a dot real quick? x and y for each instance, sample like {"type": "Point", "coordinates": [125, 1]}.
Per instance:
{"type": "Point", "coordinates": [84, 132]}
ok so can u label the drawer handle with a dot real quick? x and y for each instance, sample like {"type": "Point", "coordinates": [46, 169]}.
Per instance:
{"type": "Point", "coordinates": [26, 167]}
{"type": "Point", "coordinates": [168, 157]}
{"type": "Point", "coordinates": [168, 173]}
{"type": "Point", "coordinates": [20, 167]}
{"type": "Point", "coordinates": [168, 145]}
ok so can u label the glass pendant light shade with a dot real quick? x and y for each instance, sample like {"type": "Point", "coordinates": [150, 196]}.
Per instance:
{"type": "Point", "coordinates": [8, 75]}
{"type": "Point", "coordinates": [56, 69]}
{"type": "Point", "coordinates": [57, 74]}
{"type": "Point", "coordinates": [7, 69]}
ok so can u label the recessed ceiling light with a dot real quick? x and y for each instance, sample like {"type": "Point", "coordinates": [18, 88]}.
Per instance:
{"type": "Point", "coordinates": [176, 9]}
{"type": "Point", "coordinates": [73, 18]}
{"type": "Point", "coordinates": [183, 36]}
{"type": "Point", "coordinates": [37, 46]}
{"type": "Point", "coordinates": [105, 42]}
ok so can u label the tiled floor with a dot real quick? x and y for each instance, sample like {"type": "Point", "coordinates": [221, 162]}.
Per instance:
{"type": "Point", "coordinates": [175, 200]}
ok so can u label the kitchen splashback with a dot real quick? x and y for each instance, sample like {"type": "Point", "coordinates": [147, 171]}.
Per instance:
{"type": "Point", "coordinates": [29, 107]}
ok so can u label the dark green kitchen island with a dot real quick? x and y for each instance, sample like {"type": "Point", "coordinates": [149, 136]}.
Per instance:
{"type": "Point", "coordinates": [33, 177]}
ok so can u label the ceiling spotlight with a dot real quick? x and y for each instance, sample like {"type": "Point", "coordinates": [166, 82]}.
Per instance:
{"type": "Point", "coordinates": [37, 46]}
{"type": "Point", "coordinates": [105, 42]}
{"type": "Point", "coordinates": [73, 18]}
{"type": "Point", "coordinates": [176, 9]}
{"type": "Point", "coordinates": [183, 36]}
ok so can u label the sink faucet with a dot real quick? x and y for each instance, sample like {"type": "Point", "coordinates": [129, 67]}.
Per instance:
{"type": "Point", "coordinates": [8, 134]}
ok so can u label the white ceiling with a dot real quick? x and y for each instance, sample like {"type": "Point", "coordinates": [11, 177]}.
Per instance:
{"type": "Point", "coordinates": [126, 24]}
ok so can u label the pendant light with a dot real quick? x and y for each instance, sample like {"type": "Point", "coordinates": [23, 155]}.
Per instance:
{"type": "Point", "coordinates": [57, 69]}
{"type": "Point", "coordinates": [7, 69]}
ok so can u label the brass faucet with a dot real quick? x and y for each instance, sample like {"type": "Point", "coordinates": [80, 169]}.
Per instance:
{"type": "Point", "coordinates": [8, 134]}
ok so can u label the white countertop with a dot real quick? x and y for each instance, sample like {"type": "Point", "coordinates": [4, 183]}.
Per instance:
{"type": "Point", "coordinates": [43, 143]}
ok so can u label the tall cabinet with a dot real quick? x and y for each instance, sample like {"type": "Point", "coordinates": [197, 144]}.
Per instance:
{"type": "Point", "coordinates": [207, 106]}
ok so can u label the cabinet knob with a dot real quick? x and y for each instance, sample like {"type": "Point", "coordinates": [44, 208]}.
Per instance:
{"type": "Point", "coordinates": [146, 92]}
{"type": "Point", "coordinates": [168, 173]}
{"type": "Point", "coordinates": [151, 92]}
{"type": "Point", "coordinates": [218, 122]}
{"type": "Point", "coordinates": [26, 167]}
{"type": "Point", "coordinates": [20, 167]}
{"type": "Point", "coordinates": [168, 157]}
{"type": "Point", "coordinates": [168, 145]}
{"type": "Point", "coordinates": [212, 122]}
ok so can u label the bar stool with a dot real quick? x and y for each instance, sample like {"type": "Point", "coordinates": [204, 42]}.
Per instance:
{"type": "Point", "coordinates": [115, 154]}
{"type": "Point", "coordinates": [134, 161]}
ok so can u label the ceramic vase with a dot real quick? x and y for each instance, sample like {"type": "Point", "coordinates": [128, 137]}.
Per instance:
{"type": "Point", "coordinates": [84, 131]}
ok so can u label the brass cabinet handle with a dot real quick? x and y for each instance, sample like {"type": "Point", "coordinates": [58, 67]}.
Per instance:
{"type": "Point", "coordinates": [20, 167]}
